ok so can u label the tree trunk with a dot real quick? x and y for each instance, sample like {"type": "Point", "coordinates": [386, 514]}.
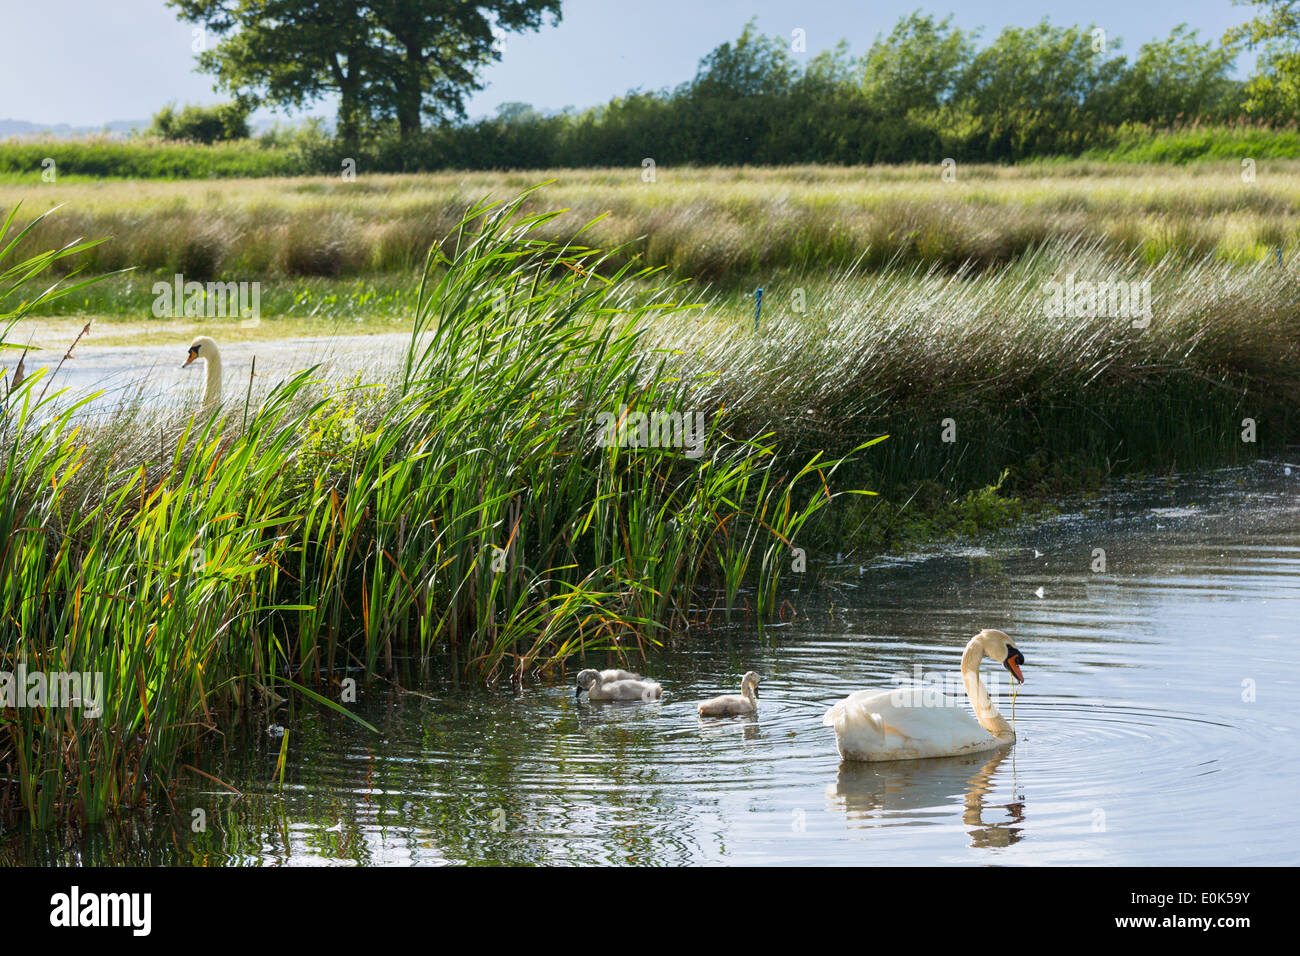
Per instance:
{"type": "Point", "coordinates": [410, 91]}
{"type": "Point", "coordinates": [349, 118]}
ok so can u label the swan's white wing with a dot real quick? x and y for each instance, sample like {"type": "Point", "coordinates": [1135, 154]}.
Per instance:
{"type": "Point", "coordinates": [863, 705]}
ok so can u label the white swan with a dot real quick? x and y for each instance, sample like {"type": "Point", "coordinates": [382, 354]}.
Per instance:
{"type": "Point", "coordinates": [206, 349]}
{"type": "Point", "coordinates": [734, 705]}
{"type": "Point", "coordinates": [911, 722]}
{"type": "Point", "coordinates": [598, 688]}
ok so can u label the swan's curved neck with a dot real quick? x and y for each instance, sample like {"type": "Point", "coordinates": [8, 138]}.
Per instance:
{"type": "Point", "coordinates": [212, 388]}
{"type": "Point", "coordinates": [985, 712]}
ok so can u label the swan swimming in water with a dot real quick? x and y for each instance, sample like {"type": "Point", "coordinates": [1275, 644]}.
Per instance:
{"type": "Point", "coordinates": [606, 676]}
{"type": "Point", "coordinates": [599, 688]}
{"type": "Point", "coordinates": [907, 723]}
{"type": "Point", "coordinates": [734, 705]}
{"type": "Point", "coordinates": [206, 349]}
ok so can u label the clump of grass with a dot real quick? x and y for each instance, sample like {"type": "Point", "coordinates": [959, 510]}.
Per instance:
{"type": "Point", "coordinates": [459, 514]}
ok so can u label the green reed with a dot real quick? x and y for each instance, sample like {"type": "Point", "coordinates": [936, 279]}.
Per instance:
{"type": "Point", "coordinates": [460, 513]}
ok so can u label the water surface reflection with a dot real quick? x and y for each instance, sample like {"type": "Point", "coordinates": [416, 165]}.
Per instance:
{"type": "Point", "coordinates": [1157, 726]}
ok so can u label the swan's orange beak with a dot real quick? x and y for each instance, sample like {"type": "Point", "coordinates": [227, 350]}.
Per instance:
{"type": "Point", "coordinates": [194, 353]}
{"type": "Point", "coordinates": [1013, 662]}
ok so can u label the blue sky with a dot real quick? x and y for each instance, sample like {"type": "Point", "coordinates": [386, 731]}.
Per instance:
{"type": "Point", "coordinates": [87, 62]}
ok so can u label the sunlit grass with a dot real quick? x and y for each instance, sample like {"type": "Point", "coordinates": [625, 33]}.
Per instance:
{"type": "Point", "coordinates": [732, 226]}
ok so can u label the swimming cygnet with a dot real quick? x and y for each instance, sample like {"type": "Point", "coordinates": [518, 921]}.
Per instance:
{"type": "Point", "coordinates": [615, 674]}
{"type": "Point", "coordinates": [734, 705]}
{"type": "Point", "coordinates": [629, 688]}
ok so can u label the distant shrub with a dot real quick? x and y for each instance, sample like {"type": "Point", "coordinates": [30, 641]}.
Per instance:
{"type": "Point", "coordinates": [201, 124]}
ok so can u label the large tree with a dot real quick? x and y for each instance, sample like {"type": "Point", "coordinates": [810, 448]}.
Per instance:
{"type": "Point", "coordinates": [385, 59]}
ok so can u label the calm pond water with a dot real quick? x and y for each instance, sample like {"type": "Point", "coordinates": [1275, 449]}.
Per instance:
{"type": "Point", "coordinates": [155, 375]}
{"type": "Point", "coordinates": [1158, 725]}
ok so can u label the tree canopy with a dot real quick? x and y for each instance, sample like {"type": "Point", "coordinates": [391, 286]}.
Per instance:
{"type": "Point", "coordinates": [403, 60]}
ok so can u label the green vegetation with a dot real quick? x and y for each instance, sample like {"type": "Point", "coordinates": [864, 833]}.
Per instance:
{"type": "Point", "coordinates": [1274, 90]}
{"type": "Point", "coordinates": [1143, 143]}
{"type": "Point", "coordinates": [201, 124]}
{"type": "Point", "coordinates": [102, 158]}
{"type": "Point", "coordinates": [924, 93]}
{"type": "Point", "coordinates": [738, 228]}
{"type": "Point", "coordinates": [464, 511]}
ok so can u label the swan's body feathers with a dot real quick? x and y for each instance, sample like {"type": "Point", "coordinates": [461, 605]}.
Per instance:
{"type": "Point", "coordinates": [744, 704]}
{"type": "Point", "coordinates": [889, 725]}
{"type": "Point", "coordinates": [626, 689]}
{"type": "Point", "coordinates": [615, 674]}
{"type": "Point", "coordinates": [600, 687]}
{"type": "Point", "coordinates": [728, 705]}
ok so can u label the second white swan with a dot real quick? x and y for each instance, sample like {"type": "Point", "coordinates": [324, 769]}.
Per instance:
{"type": "Point", "coordinates": [912, 722]}
{"type": "Point", "coordinates": [204, 348]}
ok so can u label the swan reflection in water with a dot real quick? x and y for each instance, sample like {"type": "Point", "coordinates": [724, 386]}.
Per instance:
{"type": "Point", "coordinates": [907, 792]}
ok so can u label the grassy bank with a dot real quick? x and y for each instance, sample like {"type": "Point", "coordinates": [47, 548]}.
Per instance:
{"type": "Point", "coordinates": [733, 227]}
{"type": "Point", "coordinates": [1055, 400]}
{"type": "Point", "coordinates": [1144, 143]}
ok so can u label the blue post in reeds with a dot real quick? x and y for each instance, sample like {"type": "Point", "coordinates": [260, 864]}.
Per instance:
{"type": "Point", "coordinates": [758, 307]}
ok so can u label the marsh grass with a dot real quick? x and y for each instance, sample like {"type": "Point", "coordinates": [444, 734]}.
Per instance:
{"type": "Point", "coordinates": [734, 227]}
{"type": "Point", "coordinates": [460, 513]}
{"type": "Point", "coordinates": [1042, 397]}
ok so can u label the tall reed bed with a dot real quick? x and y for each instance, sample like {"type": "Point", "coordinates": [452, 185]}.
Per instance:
{"type": "Point", "coordinates": [463, 513]}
